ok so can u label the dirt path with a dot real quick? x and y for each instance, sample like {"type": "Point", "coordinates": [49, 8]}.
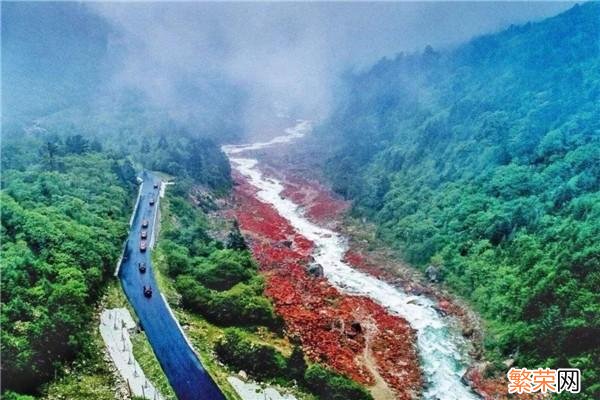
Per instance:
{"type": "Point", "coordinates": [380, 390]}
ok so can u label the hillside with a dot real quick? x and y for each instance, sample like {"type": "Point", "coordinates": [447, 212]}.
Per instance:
{"type": "Point", "coordinates": [60, 75]}
{"type": "Point", "coordinates": [485, 161]}
{"type": "Point", "coordinates": [52, 59]}
{"type": "Point", "coordinates": [71, 147]}
{"type": "Point", "coordinates": [60, 243]}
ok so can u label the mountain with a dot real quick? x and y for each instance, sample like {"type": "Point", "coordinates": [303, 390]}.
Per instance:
{"type": "Point", "coordinates": [485, 160]}
{"type": "Point", "coordinates": [52, 58]}
{"type": "Point", "coordinates": [60, 68]}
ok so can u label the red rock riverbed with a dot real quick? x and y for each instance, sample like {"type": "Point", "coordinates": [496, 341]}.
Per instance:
{"type": "Point", "coordinates": [353, 334]}
{"type": "Point", "coordinates": [333, 327]}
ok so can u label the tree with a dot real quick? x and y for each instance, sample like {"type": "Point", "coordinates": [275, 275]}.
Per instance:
{"type": "Point", "coordinates": [96, 146]}
{"type": "Point", "coordinates": [76, 144]}
{"type": "Point", "coordinates": [296, 364]}
{"type": "Point", "coordinates": [162, 142]}
{"type": "Point", "coordinates": [328, 385]}
{"type": "Point", "coordinates": [145, 147]}
{"type": "Point", "coordinates": [55, 256]}
{"type": "Point", "coordinates": [492, 165]}
{"type": "Point", "coordinates": [49, 151]}
{"type": "Point", "coordinates": [235, 239]}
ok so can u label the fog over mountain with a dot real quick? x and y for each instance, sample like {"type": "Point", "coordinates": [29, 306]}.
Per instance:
{"type": "Point", "coordinates": [288, 54]}
{"type": "Point", "coordinates": [339, 200]}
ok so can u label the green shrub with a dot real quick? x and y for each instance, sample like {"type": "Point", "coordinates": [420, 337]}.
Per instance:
{"type": "Point", "coordinates": [8, 395]}
{"type": "Point", "coordinates": [241, 305]}
{"type": "Point", "coordinates": [296, 364]}
{"type": "Point", "coordinates": [177, 258]}
{"type": "Point", "coordinates": [332, 386]}
{"type": "Point", "coordinates": [224, 268]}
{"type": "Point", "coordinates": [235, 240]}
{"type": "Point", "coordinates": [261, 361]}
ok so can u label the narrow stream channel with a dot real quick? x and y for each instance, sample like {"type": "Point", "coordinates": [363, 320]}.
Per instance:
{"type": "Point", "coordinates": [440, 346]}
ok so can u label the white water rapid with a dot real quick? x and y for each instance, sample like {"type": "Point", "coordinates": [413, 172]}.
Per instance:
{"type": "Point", "coordinates": [439, 346]}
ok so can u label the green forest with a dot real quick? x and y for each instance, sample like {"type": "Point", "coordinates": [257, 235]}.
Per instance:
{"type": "Point", "coordinates": [56, 66]}
{"type": "Point", "coordinates": [66, 202]}
{"type": "Point", "coordinates": [63, 223]}
{"type": "Point", "coordinates": [485, 161]}
{"type": "Point", "coordinates": [71, 149]}
{"type": "Point", "coordinates": [70, 155]}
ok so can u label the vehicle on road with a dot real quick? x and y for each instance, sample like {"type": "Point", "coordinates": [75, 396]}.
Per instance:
{"type": "Point", "coordinates": [152, 201]}
{"type": "Point", "coordinates": [143, 245]}
{"type": "Point", "coordinates": [156, 186]}
{"type": "Point", "coordinates": [142, 267]}
{"type": "Point", "coordinates": [148, 291]}
{"type": "Point", "coordinates": [145, 223]}
{"type": "Point", "coordinates": [144, 235]}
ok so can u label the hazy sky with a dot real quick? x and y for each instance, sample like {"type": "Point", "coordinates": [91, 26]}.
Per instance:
{"type": "Point", "coordinates": [289, 52]}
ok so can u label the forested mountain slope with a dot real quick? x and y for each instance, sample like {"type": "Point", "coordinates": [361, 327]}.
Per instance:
{"type": "Point", "coordinates": [63, 223]}
{"type": "Point", "coordinates": [60, 68]}
{"type": "Point", "coordinates": [485, 160]}
{"type": "Point", "coordinates": [71, 144]}
{"type": "Point", "coordinates": [51, 60]}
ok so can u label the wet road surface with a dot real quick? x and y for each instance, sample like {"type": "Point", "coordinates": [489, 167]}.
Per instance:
{"type": "Point", "coordinates": [187, 376]}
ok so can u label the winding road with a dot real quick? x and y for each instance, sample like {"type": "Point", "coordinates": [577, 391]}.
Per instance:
{"type": "Point", "coordinates": [187, 376]}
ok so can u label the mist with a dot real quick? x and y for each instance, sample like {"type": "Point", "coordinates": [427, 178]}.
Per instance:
{"type": "Point", "coordinates": [281, 58]}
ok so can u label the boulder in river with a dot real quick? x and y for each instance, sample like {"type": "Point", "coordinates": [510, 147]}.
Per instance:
{"type": "Point", "coordinates": [432, 273]}
{"type": "Point", "coordinates": [285, 243]}
{"type": "Point", "coordinates": [467, 332]}
{"type": "Point", "coordinates": [315, 270]}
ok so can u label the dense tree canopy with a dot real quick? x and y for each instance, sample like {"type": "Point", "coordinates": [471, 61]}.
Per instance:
{"type": "Point", "coordinates": [63, 223]}
{"type": "Point", "coordinates": [487, 159]}
{"type": "Point", "coordinates": [220, 283]}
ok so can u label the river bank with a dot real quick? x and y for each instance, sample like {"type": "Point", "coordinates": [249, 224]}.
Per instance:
{"type": "Point", "coordinates": [294, 240]}
{"type": "Point", "coordinates": [332, 327]}
{"type": "Point", "coordinates": [367, 253]}
{"type": "Point", "coordinates": [203, 334]}
{"type": "Point", "coordinates": [302, 182]}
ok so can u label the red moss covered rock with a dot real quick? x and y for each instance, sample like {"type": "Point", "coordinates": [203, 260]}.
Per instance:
{"type": "Point", "coordinates": [332, 326]}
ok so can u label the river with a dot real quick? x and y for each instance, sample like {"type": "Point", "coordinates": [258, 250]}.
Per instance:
{"type": "Point", "coordinates": [440, 345]}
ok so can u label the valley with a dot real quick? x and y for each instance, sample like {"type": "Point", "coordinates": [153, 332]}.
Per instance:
{"type": "Point", "coordinates": [359, 324]}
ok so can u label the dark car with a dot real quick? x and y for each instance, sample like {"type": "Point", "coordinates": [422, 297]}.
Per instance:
{"type": "Point", "coordinates": [147, 291]}
{"type": "Point", "coordinates": [143, 245]}
{"type": "Point", "coordinates": [142, 267]}
{"type": "Point", "coordinates": [145, 223]}
{"type": "Point", "coordinates": [144, 234]}
{"type": "Point", "coordinates": [156, 186]}
{"type": "Point", "coordinates": [152, 201]}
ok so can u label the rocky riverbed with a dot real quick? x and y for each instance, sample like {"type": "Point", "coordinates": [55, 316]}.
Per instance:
{"type": "Point", "coordinates": [400, 344]}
